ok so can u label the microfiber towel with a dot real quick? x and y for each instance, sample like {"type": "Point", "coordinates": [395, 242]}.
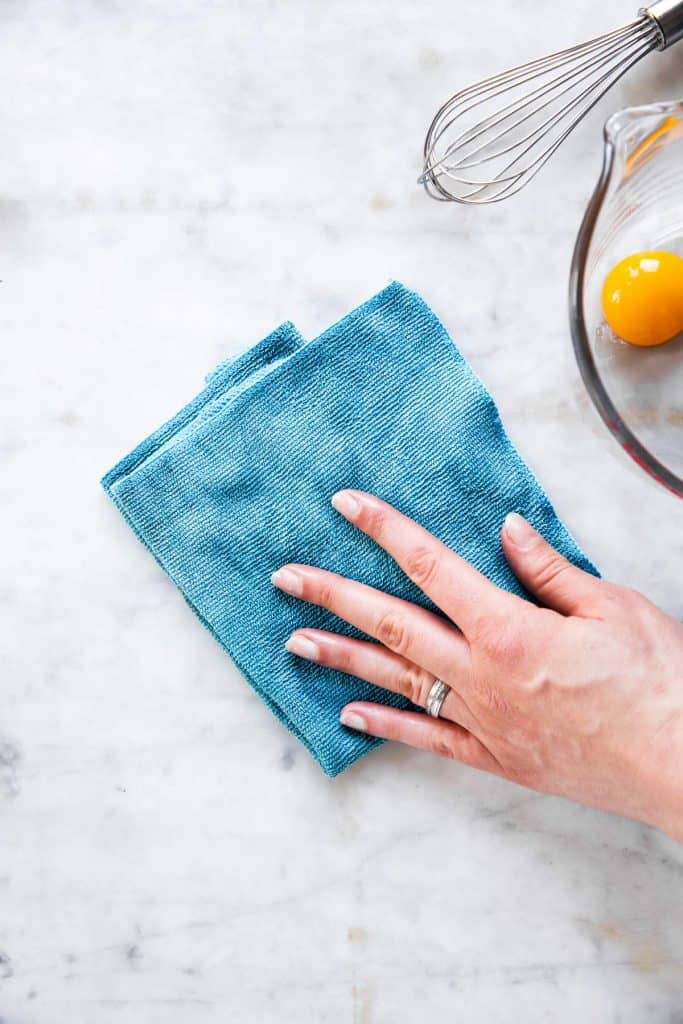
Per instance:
{"type": "Point", "coordinates": [239, 482]}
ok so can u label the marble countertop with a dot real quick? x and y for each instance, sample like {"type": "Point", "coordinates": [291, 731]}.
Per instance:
{"type": "Point", "coordinates": [177, 178]}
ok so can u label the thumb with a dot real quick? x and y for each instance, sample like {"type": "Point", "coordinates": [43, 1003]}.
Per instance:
{"type": "Point", "coordinates": [544, 572]}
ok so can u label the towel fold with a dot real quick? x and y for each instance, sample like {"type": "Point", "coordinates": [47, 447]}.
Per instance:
{"type": "Point", "coordinates": [239, 482]}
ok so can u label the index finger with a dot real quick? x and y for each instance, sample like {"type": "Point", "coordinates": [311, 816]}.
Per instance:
{"type": "Point", "coordinates": [455, 586]}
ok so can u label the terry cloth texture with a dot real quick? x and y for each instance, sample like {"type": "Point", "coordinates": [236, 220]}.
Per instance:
{"type": "Point", "coordinates": [239, 482]}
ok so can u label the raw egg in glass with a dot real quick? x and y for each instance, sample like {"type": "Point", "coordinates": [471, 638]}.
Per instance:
{"type": "Point", "coordinates": [642, 298]}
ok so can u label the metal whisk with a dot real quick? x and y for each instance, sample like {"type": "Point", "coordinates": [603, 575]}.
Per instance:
{"type": "Point", "coordinates": [487, 141]}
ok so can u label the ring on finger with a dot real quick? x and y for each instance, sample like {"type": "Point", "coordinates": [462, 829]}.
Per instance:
{"type": "Point", "coordinates": [435, 698]}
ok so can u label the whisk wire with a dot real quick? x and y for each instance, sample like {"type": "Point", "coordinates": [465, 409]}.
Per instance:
{"type": "Point", "coordinates": [534, 137]}
{"type": "Point", "coordinates": [535, 166]}
{"type": "Point", "coordinates": [580, 73]}
{"type": "Point", "coordinates": [516, 139]}
{"type": "Point", "coordinates": [507, 80]}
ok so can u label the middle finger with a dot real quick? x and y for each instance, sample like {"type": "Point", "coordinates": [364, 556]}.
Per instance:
{"type": "Point", "coordinates": [466, 595]}
{"type": "Point", "coordinates": [404, 628]}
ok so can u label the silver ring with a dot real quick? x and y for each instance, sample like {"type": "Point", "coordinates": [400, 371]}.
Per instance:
{"type": "Point", "coordinates": [435, 698]}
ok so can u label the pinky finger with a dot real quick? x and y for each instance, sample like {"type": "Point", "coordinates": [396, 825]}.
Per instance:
{"type": "Point", "coordinates": [436, 735]}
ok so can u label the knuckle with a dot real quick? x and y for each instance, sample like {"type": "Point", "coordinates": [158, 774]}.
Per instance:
{"type": "Point", "coordinates": [623, 602]}
{"type": "Point", "coordinates": [633, 602]}
{"type": "Point", "coordinates": [550, 570]}
{"type": "Point", "coordinates": [502, 643]}
{"type": "Point", "coordinates": [323, 592]}
{"type": "Point", "coordinates": [443, 746]}
{"type": "Point", "coordinates": [612, 596]}
{"type": "Point", "coordinates": [373, 521]}
{"type": "Point", "coordinates": [422, 566]}
{"type": "Point", "coordinates": [413, 683]}
{"type": "Point", "coordinates": [392, 632]}
{"type": "Point", "coordinates": [337, 656]}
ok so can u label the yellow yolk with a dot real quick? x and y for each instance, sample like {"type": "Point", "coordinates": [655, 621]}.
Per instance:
{"type": "Point", "coordinates": [642, 298]}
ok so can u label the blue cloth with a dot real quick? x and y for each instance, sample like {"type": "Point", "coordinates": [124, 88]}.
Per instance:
{"type": "Point", "coordinates": [240, 481]}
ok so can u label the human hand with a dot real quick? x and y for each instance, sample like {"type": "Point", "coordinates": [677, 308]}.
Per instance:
{"type": "Point", "coordinates": [582, 697]}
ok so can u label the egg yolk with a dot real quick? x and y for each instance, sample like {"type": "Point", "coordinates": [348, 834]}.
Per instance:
{"type": "Point", "coordinates": [642, 298]}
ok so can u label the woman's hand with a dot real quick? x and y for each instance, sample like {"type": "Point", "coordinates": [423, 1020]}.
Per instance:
{"type": "Point", "coordinates": [582, 697]}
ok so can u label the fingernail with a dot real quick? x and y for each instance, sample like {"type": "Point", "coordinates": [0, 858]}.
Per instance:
{"type": "Point", "coordinates": [346, 504]}
{"type": "Point", "coordinates": [518, 530]}
{"type": "Point", "coordinates": [353, 721]}
{"type": "Point", "coordinates": [302, 646]}
{"type": "Point", "coordinates": [289, 581]}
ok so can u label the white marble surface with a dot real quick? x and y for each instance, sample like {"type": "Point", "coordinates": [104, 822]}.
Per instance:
{"type": "Point", "coordinates": [177, 177]}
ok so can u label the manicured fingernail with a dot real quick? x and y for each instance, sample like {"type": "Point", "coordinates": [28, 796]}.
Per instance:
{"type": "Point", "coordinates": [353, 721]}
{"type": "Point", "coordinates": [302, 646]}
{"type": "Point", "coordinates": [289, 581]}
{"type": "Point", "coordinates": [346, 504]}
{"type": "Point", "coordinates": [518, 530]}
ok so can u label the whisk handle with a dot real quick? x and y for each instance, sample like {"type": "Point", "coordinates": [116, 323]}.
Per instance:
{"type": "Point", "coordinates": [667, 16]}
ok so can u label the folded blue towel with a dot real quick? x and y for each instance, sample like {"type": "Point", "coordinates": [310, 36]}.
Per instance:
{"type": "Point", "coordinates": [240, 481]}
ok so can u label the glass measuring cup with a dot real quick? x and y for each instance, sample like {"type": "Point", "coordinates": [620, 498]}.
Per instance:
{"type": "Point", "coordinates": [637, 205]}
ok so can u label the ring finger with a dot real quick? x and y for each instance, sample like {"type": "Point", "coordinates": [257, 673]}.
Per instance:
{"type": "Point", "coordinates": [376, 665]}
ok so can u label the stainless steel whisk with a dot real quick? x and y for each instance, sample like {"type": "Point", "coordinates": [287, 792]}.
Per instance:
{"type": "Point", "coordinates": [521, 116]}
